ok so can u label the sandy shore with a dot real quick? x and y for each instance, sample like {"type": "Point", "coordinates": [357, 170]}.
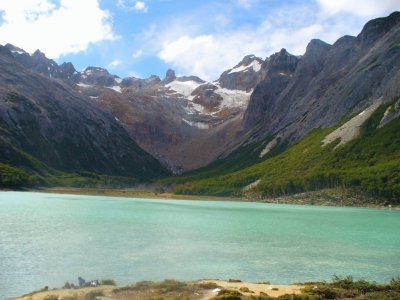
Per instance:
{"type": "Point", "coordinates": [255, 289]}
{"type": "Point", "coordinates": [245, 288]}
{"type": "Point", "coordinates": [64, 293]}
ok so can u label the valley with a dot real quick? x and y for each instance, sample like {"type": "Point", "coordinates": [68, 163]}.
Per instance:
{"type": "Point", "coordinates": [265, 128]}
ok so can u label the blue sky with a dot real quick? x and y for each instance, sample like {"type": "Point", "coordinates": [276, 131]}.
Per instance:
{"type": "Point", "coordinates": [204, 38]}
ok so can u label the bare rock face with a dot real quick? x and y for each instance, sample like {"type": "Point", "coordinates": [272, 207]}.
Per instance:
{"type": "Point", "coordinates": [38, 62]}
{"type": "Point", "coordinates": [279, 71]}
{"type": "Point", "coordinates": [170, 76]}
{"type": "Point", "coordinates": [328, 82]}
{"type": "Point", "coordinates": [244, 76]}
{"type": "Point", "coordinates": [62, 128]}
{"type": "Point", "coordinates": [97, 76]}
{"type": "Point", "coordinates": [205, 96]}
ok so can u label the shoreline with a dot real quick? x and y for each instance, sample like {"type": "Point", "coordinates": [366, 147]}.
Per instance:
{"type": "Point", "coordinates": [203, 289]}
{"type": "Point", "coordinates": [132, 193]}
{"type": "Point", "coordinates": [316, 198]}
{"type": "Point", "coordinates": [215, 289]}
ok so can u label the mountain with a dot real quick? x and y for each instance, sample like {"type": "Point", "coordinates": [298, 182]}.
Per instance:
{"type": "Point", "coordinates": [294, 107]}
{"type": "Point", "coordinates": [317, 89]}
{"type": "Point", "coordinates": [183, 121]}
{"type": "Point", "coordinates": [94, 121]}
{"type": "Point", "coordinates": [358, 156]}
{"type": "Point", "coordinates": [46, 118]}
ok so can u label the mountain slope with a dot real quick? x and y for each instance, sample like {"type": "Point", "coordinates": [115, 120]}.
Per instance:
{"type": "Point", "coordinates": [368, 163]}
{"type": "Point", "coordinates": [49, 120]}
{"type": "Point", "coordinates": [319, 88]}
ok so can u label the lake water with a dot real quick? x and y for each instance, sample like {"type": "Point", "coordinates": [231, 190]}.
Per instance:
{"type": "Point", "coordinates": [47, 239]}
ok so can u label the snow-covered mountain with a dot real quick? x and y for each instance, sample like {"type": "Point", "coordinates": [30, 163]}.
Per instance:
{"type": "Point", "coordinates": [184, 121]}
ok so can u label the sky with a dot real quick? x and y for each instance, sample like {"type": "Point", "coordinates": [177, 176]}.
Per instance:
{"type": "Point", "coordinates": [194, 37]}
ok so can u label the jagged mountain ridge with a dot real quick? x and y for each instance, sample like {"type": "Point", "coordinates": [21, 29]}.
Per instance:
{"type": "Point", "coordinates": [179, 111]}
{"type": "Point", "coordinates": [187, 123]}
{"type": "Point", "coordinates": [49, 120]}
{"type": "Point", "coordinates": [317, 89]}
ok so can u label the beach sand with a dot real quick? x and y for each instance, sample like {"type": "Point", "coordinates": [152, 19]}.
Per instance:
{"type": "Point", "coordinates": [255, 289]}
{"type": "Point", "coordinates": [272, 290]}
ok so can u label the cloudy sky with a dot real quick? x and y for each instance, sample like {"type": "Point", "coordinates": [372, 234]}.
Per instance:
{"type": "Point", "coordinates": [199, 37]}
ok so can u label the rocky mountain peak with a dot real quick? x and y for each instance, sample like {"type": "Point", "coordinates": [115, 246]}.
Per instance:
{"type": "Point", "coordinates": [190, 78]}
{"type": "Point", "coordinates": [97, 76]}
{"type": "Point", "coordinates": [169, 76]}
{"type": "Point", "coordinates": [248, 59]}
{"type": "Point", "coordinates": [68, 67]}
{"type": "Point", "coordinates": [378, 27]}
{"type": "Point", "coordinates": [244, 76]}
{"type": "Point", "coordinates": [14, 49]}
{"type": "Point", "coordinates": [5, 51]}
{"type": "Point", "coordinates": [282, 61]}
{"type": "Point", "coordinates": [39, 54]}
{"type": "Point", "coordinates": [316, 46]}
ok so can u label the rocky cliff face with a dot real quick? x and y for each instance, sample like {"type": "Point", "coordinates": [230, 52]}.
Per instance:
{"type": "Point", "coordinates": [317, 89]}
{"type": "Point", "coordinates": [50, 120]}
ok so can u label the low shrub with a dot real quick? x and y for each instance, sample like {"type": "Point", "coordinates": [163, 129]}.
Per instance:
{"type": "Point", "coordinates": [107, 282]}
{"type": "Point", "coordinates": [228, 295]}
{"type": "Point", "coordinates": [93, 295]}
{"type": "Point", "coordinates": [51, 297]}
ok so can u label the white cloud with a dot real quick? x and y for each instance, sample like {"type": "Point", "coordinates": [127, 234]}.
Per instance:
{"type": "Point", "coordinates": [114, 63]}
{"type": "Point", "coordinates": [363, 8]}
{"type": "Point", "coordinates": [191, 50]}
{"type": "Point", "coordinates": [140, 6]}
{"type": "Point", "coordinates": [129, 5]}
{"type": "Point", "coordinates": [247, 4]}
{"type": "Point", "coordinates": [137, 53]}
{"type": "Point", "coordinates": [69, 27]}
{"type": "Point", "coordinates": [208, 56]}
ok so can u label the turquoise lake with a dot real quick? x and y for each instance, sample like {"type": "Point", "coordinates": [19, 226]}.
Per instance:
{"type": "Point", "coordinates": [48, 239]}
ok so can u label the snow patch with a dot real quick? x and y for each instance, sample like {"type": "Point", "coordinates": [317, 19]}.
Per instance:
{"type": "Point", "coordinates": [17, 52]}
{"type": "Point", "coordinates": [94, 97]}
{"type": "Point", "coordinates": [115, 88]}
{"type": "Point", "coordinates": [81, 84]}
{"type": "Point", "coordinates": [184, 88]}
{"type": "Point", "coordinates": [255, 65]}
{"type": "Point", "coordinates": [197, 124]}
{"type": "Point", "coordinates": [233, 98]}
{"type": "Point", "coordinates": [118, 80]}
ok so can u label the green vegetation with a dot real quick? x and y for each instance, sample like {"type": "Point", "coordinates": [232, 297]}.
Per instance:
{"type": "Point", "coordinates": [348, 288]}
{"type": "Point", "coordinates": [11, 177]}
{"type": "Point", "coordinates": [108, 282]}
{"type": "Point", "coordinates": [227, 295]}
{"type": "Point", "coordinates": [24, 171]}
{"type": "Point", "coordinates": [369, 164]}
